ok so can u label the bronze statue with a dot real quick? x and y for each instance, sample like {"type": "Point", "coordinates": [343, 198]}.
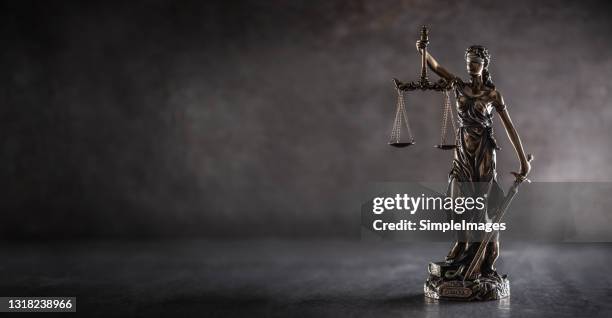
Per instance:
{"type": "Point", "coordinates": [469, 269]}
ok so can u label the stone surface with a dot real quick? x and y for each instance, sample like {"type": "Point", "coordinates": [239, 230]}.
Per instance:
{"type": "Point", "coordinates": [297, 279]}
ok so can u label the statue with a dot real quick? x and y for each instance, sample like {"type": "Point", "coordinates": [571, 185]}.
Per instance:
{"type": "Point", "coordinates": [468, 272]}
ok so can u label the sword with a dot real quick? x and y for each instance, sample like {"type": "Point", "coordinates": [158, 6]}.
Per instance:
{"type": "Point", "coordinates": [501, 210]}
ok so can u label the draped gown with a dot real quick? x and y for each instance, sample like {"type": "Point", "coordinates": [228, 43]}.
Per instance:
{"type": "Point", "coordinates": [473, 167]}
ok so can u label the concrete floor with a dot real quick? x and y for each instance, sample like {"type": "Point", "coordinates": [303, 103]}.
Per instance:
{"type": "Point", "coordinates": [297, 279]}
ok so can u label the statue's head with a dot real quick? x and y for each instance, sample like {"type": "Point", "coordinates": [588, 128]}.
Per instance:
{"type": "Point", "coordinates": [477, 60]}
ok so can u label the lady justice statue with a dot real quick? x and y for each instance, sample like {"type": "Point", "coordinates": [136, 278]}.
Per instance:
{"type": "Point", "coordinates": [468, 272]}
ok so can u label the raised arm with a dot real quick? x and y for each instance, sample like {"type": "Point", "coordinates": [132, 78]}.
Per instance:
{"type": "Point", "coordinates": [498, 102]}
{"type": "Point", "coordinates": [434, 65]}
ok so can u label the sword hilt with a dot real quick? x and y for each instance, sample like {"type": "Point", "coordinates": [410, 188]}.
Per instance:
{"type": "Point", "coordinates": [519, 177]}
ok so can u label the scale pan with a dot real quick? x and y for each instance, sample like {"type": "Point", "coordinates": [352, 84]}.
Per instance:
{"type": "Point", "coordinates": [445, 147]}
{"type": "Point", "coordinates": [401, 144]}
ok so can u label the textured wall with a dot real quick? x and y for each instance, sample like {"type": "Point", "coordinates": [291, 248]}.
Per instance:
{"type": "Point", "coordinates": [269, 117]}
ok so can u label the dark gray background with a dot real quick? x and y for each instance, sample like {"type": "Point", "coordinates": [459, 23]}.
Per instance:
{"type": "Point", "coordinates": [267, 118]}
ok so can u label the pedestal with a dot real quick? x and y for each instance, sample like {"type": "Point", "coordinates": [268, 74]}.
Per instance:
{"type": "Point", "coordinates": [443, 283]}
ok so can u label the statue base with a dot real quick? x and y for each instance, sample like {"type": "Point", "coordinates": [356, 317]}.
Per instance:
{"type": "Point", "coordinates": [443, 283]}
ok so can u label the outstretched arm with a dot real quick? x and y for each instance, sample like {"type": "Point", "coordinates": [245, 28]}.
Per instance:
{"type": "Point", "coordinates": [498, 102]}
{"type": "Point", "coordinates": [435, 66]}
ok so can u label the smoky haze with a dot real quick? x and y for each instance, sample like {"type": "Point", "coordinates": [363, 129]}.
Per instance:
{"type": "Point", "coordinates": [267, 118]}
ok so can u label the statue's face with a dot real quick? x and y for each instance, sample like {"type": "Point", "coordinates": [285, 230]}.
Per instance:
{"type": "Point", "coordinates": [474, 67]}
{"type": "Point", "coordinates": [475, 64]}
